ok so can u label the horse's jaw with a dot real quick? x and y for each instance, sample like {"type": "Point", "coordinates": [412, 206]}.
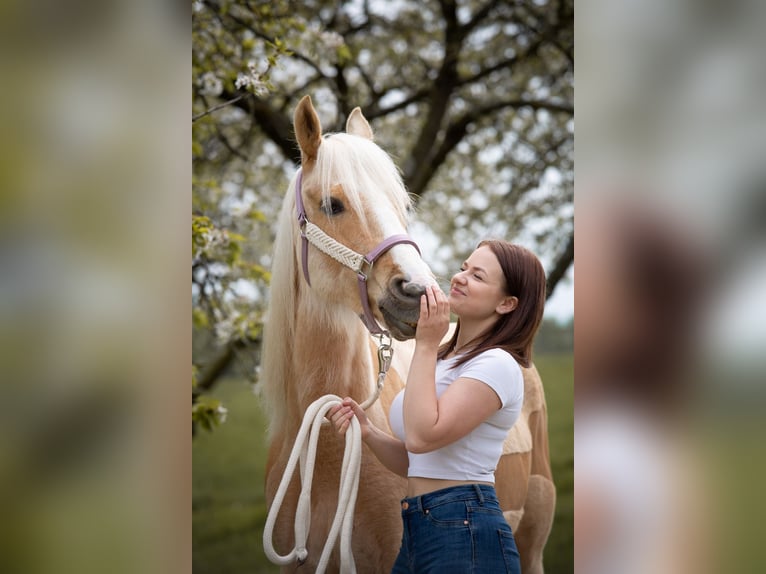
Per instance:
{"type": "Point", "coordinates": [401, 311]}
{"type": "Point", "coordinates": [401, 327]}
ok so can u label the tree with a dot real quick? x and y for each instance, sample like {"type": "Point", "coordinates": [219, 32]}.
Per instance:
{"type": "Point", "coordinates": [473, 99]}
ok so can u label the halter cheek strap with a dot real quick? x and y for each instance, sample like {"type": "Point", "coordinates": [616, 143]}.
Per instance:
{"type": "Point", "coordinates": [302, 221]}
{"type": "Point", "coordinates": [360, 264]}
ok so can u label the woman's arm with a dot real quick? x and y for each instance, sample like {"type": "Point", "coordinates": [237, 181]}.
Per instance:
{"type": "Point", "coordinates": [389, 450]}
{"type": "Point", "coordinates": [432, 423]}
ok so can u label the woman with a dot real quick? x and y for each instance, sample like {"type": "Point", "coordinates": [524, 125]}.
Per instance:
{"type": "Point", "coordinates": [452, 417]}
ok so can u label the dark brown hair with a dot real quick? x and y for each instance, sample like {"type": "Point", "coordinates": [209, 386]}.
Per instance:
{"type": "Point", "coordinates": [513, 332]}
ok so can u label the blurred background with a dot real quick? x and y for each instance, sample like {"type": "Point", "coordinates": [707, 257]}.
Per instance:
{"type": "Point", "coordinates": [670, 338]}
{"type": "Point", "coordinates": [95, 338]}
{"type": "Point", "coordinates": [474, 102]}
{"type": "Point", "coordinates": [94, 330]}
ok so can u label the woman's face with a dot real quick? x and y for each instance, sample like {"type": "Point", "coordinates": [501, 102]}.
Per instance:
{"type": "Point", "coordinates": [477, 291]}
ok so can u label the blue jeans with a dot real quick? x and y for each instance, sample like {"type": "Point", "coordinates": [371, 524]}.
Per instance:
{"type": "Point", "coordinates": [457, 530]}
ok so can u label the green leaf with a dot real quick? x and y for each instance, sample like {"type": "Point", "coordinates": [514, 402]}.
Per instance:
{"type": "Point", "coordinates": [200, 318]}
{"type": "Point", "coordinates": [344, 54]}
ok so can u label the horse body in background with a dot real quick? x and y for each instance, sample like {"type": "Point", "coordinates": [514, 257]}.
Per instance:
{"type": "Point", "coordinates": [315, 345]}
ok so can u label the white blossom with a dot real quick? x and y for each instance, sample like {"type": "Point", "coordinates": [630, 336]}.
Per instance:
{"type": "Point", "coordinates": [331, 40]}
{"type": "Point", "coordinates": [252, 81]}
{"type": "Point", "coordinates": [221, 413]}
{"type": "Point", "coordinates": [227, 328]}
{"type": "Point", "coordinates": [211, 84]}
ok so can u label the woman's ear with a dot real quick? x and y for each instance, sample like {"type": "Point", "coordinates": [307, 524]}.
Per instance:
{"type": "Point", "coordinates": [507, 305]}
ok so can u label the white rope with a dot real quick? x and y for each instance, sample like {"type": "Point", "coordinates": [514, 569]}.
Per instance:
{"type": "Point", "coordinates": [349, 486]}
{"type": "Point", "coordinates": [306, 453]}
{"type": "Point", "coordinates": [333, 248]}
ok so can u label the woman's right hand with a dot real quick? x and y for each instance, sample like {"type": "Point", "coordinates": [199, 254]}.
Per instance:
{"type": "Point", "coordinates": [340, 416]}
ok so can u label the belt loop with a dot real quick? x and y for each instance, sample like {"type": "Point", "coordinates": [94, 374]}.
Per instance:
{"type": "Point", "coordinates": [479, 494]}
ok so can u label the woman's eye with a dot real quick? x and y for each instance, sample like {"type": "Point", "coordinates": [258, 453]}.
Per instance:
{"type": "Point", "coordinates": [332, 206]}
{"type": "Point", "coordinates": [477, 276]}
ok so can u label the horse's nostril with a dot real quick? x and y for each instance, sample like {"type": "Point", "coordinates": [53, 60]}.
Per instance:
{"type": "Point", "coordinates": [407, 289]}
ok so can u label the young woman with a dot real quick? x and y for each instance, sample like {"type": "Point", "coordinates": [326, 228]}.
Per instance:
{"type": "Point", "coordinates": [451, 419]}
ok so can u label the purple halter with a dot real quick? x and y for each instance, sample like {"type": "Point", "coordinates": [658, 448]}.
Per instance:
{"type": "Point", "coordinates": [361, 264]}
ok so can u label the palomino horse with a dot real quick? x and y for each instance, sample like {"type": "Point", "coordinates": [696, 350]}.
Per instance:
{"type": "Point", "coordinates": [352, 195]}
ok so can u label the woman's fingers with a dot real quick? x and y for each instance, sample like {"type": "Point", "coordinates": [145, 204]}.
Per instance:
{"type": "Point", "coordinates": [430, 301]}
{"type": "Point", "coordinates": [431, 296]}
{"type": "Point", "coordinates": [435, 300]}
{"type": "Point", "coordinates": [340, 417]}
{"type": "Point", "coordinates": [443, 302]}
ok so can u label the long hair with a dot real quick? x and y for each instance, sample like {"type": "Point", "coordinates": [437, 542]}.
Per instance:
{"type": "Point", "coordinates": [513, 332]}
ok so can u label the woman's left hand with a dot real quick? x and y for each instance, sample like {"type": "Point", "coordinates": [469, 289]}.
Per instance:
{"type": "Point", "coordinates": [434, 317]}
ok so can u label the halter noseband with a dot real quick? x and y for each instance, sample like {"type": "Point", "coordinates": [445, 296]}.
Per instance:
{"type": "Point", "coordinates": [360, 264]}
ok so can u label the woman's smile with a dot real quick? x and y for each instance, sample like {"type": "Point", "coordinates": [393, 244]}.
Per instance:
{"type": "Point", "coordinates": [456, 291]}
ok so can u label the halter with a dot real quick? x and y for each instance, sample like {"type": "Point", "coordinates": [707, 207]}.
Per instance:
{"type": "Point", "coordinates": [360, 264]}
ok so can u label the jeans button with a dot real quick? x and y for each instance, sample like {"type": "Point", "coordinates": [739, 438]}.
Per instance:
{"type": "Point", "coordinates": [405, 505]}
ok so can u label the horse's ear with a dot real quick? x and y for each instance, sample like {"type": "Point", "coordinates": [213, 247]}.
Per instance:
{"type": "Point", "coordinates": [308, 130]}
{"type": "Point", "coordinates": [357, 124]}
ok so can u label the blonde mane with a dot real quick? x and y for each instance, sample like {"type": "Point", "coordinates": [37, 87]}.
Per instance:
{"type": "Point", "coordinates": [358, 165]}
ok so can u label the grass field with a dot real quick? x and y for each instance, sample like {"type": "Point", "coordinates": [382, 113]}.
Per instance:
{"type": "Point", "coordinates": [228, 506]}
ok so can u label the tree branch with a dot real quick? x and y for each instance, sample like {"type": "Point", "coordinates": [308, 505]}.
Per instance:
{"type": "Point", "coordinates": [218, 365]}
{"type": "Point", "coordinates": [439, 93]}
{"type": "Point", "coordinates": [419, 179]}
{"type": "Point", "coordinates": [218, 107]}
{"type": "Point", "coordinates": [478, 17]}
{"type": "Point", "coordinates": [560, 267]}
{"type": "Point", "coordinates": [275, 124]}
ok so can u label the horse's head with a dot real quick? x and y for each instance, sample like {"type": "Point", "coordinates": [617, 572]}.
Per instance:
{"type": "Point", "coordinates": [353, 197]}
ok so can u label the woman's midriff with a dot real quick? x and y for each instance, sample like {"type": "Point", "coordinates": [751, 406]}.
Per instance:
{"type": "Point", "coordinates": [417, 485]}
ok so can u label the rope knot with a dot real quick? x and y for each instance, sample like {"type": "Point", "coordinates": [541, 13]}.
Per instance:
{"type": "Point", "coordinates": [301, 554]}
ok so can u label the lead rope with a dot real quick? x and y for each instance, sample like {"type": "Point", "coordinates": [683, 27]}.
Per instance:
{"type": "Point", "coordinates": [305, 452]}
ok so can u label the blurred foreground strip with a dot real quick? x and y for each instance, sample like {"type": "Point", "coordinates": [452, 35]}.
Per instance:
{"type": "Point", "coordinates": [94, 181]}
{"type": "Point", "coordinates": [670, 337]}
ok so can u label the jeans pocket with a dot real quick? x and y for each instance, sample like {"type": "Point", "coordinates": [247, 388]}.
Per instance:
{"type": "Point", "coordinates": [510, 552]}
{"type": "Point", "coordinates": [448, 514]}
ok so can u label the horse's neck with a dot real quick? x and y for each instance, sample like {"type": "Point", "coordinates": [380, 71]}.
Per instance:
{"type": "Point", "coordinates": [330, 355]}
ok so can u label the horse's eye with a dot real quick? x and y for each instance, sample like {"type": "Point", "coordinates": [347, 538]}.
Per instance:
{"type": "Point", "coordinates": [332, 206]}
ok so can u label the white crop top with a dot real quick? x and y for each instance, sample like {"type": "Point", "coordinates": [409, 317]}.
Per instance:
{"type": "Point", "coordinates": [475, 456]}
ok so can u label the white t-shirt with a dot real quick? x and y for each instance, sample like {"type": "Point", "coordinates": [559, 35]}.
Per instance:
{"type": "Point", "coordinates": [475, 456]}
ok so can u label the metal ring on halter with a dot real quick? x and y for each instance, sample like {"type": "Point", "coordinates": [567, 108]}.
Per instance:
{"type": "Point", "coordinates": [363, 275]}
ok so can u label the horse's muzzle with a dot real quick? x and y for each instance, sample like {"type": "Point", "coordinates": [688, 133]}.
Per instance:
{"type": "Point", "coordinates": [400, 307]}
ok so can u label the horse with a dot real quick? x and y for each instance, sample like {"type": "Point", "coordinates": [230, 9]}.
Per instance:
{"type": "Point", "coordinates": [348, 198]}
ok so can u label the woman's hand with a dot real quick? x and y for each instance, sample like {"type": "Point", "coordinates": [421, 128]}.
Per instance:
{"type": "Point", "coordinates": [340, 416]}
{"type": "Point", "coordinates": [434, 317]}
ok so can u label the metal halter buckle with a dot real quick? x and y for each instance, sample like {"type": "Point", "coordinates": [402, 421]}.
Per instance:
{"type": "Point", "coordinates": [361, 272]}
{"type": "Point", "coordinates": [385, 352]}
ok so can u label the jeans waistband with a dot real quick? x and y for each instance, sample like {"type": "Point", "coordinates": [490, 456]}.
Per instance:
{"type": "Point", "coordinates": [479, 492]}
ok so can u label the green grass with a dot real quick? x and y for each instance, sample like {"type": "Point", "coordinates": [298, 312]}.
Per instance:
{"type": "Point", "coordinates": [228, 506]}
{"type": "Point", "coordinates": [557, 373]}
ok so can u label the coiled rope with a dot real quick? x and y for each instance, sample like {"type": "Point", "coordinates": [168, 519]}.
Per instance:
{"type": "Point", "coordinates": [304, 451]}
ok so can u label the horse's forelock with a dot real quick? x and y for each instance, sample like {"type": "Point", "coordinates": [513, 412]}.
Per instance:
{"type": "Point", "coordinates": [361, 167]}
